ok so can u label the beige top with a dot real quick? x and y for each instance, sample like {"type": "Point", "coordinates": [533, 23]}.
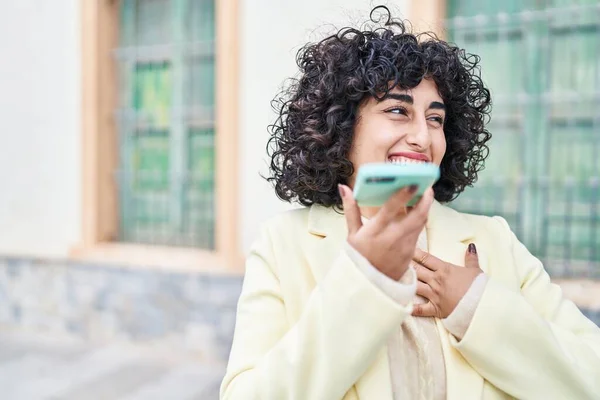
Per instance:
{"type": "Point", "coordinates": [414, 350]}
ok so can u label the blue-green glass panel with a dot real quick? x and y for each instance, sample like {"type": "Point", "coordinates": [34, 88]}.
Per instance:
{"type": "Point", "coordinates": [200, 207]}
{"type": "Point", "coordinates": [201, 20]}
{"type": "Point", "coordinates": [153, 22]}
{"type": "Point", "coordinates": [152, 93]}
{"type": "Point", "coordinates": [574, 85]}
{"type": "Point", "coordinates": [469, 8]}
{"type": "Point", "coordinates": [202, 158]}
{"type": "Point", "coordinates": [201, 84]}
{"type": "Point", "coordinates": [167, 70]}
{"type": "Point", "coordinates": [573, 151]}
{"type": "Point", "coordinates": [151, 161]}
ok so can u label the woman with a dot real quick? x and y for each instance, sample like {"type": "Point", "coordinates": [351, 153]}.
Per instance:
{"type": "Point", "coordinates": [396, 303]}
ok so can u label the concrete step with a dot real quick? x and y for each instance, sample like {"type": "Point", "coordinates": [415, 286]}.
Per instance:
{"type": "Point", "coordinates": [36, 366]}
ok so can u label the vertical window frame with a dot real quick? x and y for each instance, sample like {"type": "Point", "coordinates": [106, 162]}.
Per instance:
{"type": "Point", "coordinates": [99, 146]}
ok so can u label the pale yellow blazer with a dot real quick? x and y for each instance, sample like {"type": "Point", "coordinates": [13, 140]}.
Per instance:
{"type": "Point", "coordinates": [311, 326]}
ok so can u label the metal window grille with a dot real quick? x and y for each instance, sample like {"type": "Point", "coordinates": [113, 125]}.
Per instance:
{"type": "Point", "coordinates": [165, 120]}
{"type": "Point", "coordinates": [541, 60]}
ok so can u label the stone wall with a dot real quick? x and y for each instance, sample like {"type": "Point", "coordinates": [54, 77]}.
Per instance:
{"type": "Point", "coordinates": [192, 311]}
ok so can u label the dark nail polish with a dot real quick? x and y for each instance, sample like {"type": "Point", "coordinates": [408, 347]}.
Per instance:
{"type": "Point", "coordinates": [412, 188]}
{"type": "Point", "coordinates": [341, 190]}
{"type": "Point", "coordinates": [472, 248]}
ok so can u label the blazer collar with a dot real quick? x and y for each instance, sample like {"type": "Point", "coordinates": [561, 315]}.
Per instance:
{"type": "Point", "coordinates": [323, 221]}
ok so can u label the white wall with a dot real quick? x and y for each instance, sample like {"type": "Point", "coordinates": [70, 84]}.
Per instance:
{"type": "Point", "coordinates": [39, 126]}
{"type": "Point", "coordinates": [40, 165]}
{"type": "Point", "coordinates": [271, 33]}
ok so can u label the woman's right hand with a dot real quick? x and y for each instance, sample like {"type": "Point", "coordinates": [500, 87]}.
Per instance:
{"type": "Point", "coordinates": [389, 239]}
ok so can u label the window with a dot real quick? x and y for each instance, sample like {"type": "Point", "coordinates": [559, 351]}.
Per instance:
{"type": "Point", "coordinates": [165, 122]}
{"type": "Point", "coordinates": [541, 60]}
{"type": "Point", "coordinates": [159, 144]}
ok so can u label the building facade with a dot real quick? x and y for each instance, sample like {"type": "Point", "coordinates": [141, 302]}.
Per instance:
{"type": "Point", "coordinates": [135, 135]}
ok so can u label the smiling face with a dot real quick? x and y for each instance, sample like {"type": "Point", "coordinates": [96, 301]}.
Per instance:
{"type": "Point", "coordinates": [407, 126]}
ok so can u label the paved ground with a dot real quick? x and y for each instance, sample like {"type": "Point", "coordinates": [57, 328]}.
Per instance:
{"type": "Point", "coordinates": [36, 367]}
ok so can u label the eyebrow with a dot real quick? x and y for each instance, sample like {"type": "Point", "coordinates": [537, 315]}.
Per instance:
{"type": "Point", "coordinates": [435, 105]}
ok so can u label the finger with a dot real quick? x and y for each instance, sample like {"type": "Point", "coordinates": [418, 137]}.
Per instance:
{"type": "Point", "coordinates": [471, 258]}
{"type": "Point", "coordinates": [396, 204]}
{"type": "Point", "coordinates": [417, 217]}
{"type": "Point", "coordinates": [424, 274]}
{"type": "Point", "coordinates": [424, 290]}
{"type": "Point", "coordinates": [424, 310]}
{"type": "Point", "coordinates": [426, 200]}
{"type": "Point", "coordinates": [427, 260]}
{"type": "Point", "coordinates": [351, 210]}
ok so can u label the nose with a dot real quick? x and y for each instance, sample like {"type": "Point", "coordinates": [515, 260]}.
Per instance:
{"type": "Point", "coordinates": [418, 135]}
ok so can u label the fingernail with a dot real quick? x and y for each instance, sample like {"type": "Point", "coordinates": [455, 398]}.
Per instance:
{"type": "Point", "coordinates": [472, 248]}
{"type": "Point", "coordinates": [341, 190]}
{"type": "Point", "coordinates": [413, 188]}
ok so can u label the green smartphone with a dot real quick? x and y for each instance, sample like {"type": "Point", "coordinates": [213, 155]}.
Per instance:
{"type": "Point", "coordinates": [376, 182]}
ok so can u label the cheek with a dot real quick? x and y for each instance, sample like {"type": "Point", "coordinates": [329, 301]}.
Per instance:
{"type": "Point", "coordinates": [371, 150]}
{"type": "Point", "coordinates": [438, 147]}
{"type": "Point", "coordinates": [370, 143]}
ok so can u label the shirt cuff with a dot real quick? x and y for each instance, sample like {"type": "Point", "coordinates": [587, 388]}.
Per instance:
{"type": "Point", "coordinates": [402, 291]}
{"type": "Point", "coordinates": [459, 320]}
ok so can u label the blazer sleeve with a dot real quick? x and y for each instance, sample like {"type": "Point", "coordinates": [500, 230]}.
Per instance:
{"type": "Point", "coordinates": [344, 324]}
{"type": "Point", "coordinates": [532, 343]}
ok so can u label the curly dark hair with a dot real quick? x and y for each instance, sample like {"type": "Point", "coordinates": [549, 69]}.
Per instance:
{"type": "Point", "coordinates": [312, 136]}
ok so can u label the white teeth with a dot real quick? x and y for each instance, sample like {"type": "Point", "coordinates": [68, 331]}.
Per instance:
{"type": "Point", "coordinates": [404, 160]}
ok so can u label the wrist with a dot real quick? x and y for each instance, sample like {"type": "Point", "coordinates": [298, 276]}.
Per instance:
{"type": "Point", "coordinates": [396, 274]}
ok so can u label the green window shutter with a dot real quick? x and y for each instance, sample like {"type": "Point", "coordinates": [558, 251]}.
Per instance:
{"type": "Point", "coordinates": [166, 122]}
{"type": "Point", "coordinates": [541, 60]}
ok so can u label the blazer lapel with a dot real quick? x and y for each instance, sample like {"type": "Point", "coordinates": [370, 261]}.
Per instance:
{"type": "Point", "coordinates": [449, 234]}
{"type": "Point", "coordinates": [328, 228]}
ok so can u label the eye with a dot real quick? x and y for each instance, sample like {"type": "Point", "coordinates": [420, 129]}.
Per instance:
{"type": "Point", "coordinates": [397, 110]}
{"type": "Point", "coordinates": [436, 118]}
